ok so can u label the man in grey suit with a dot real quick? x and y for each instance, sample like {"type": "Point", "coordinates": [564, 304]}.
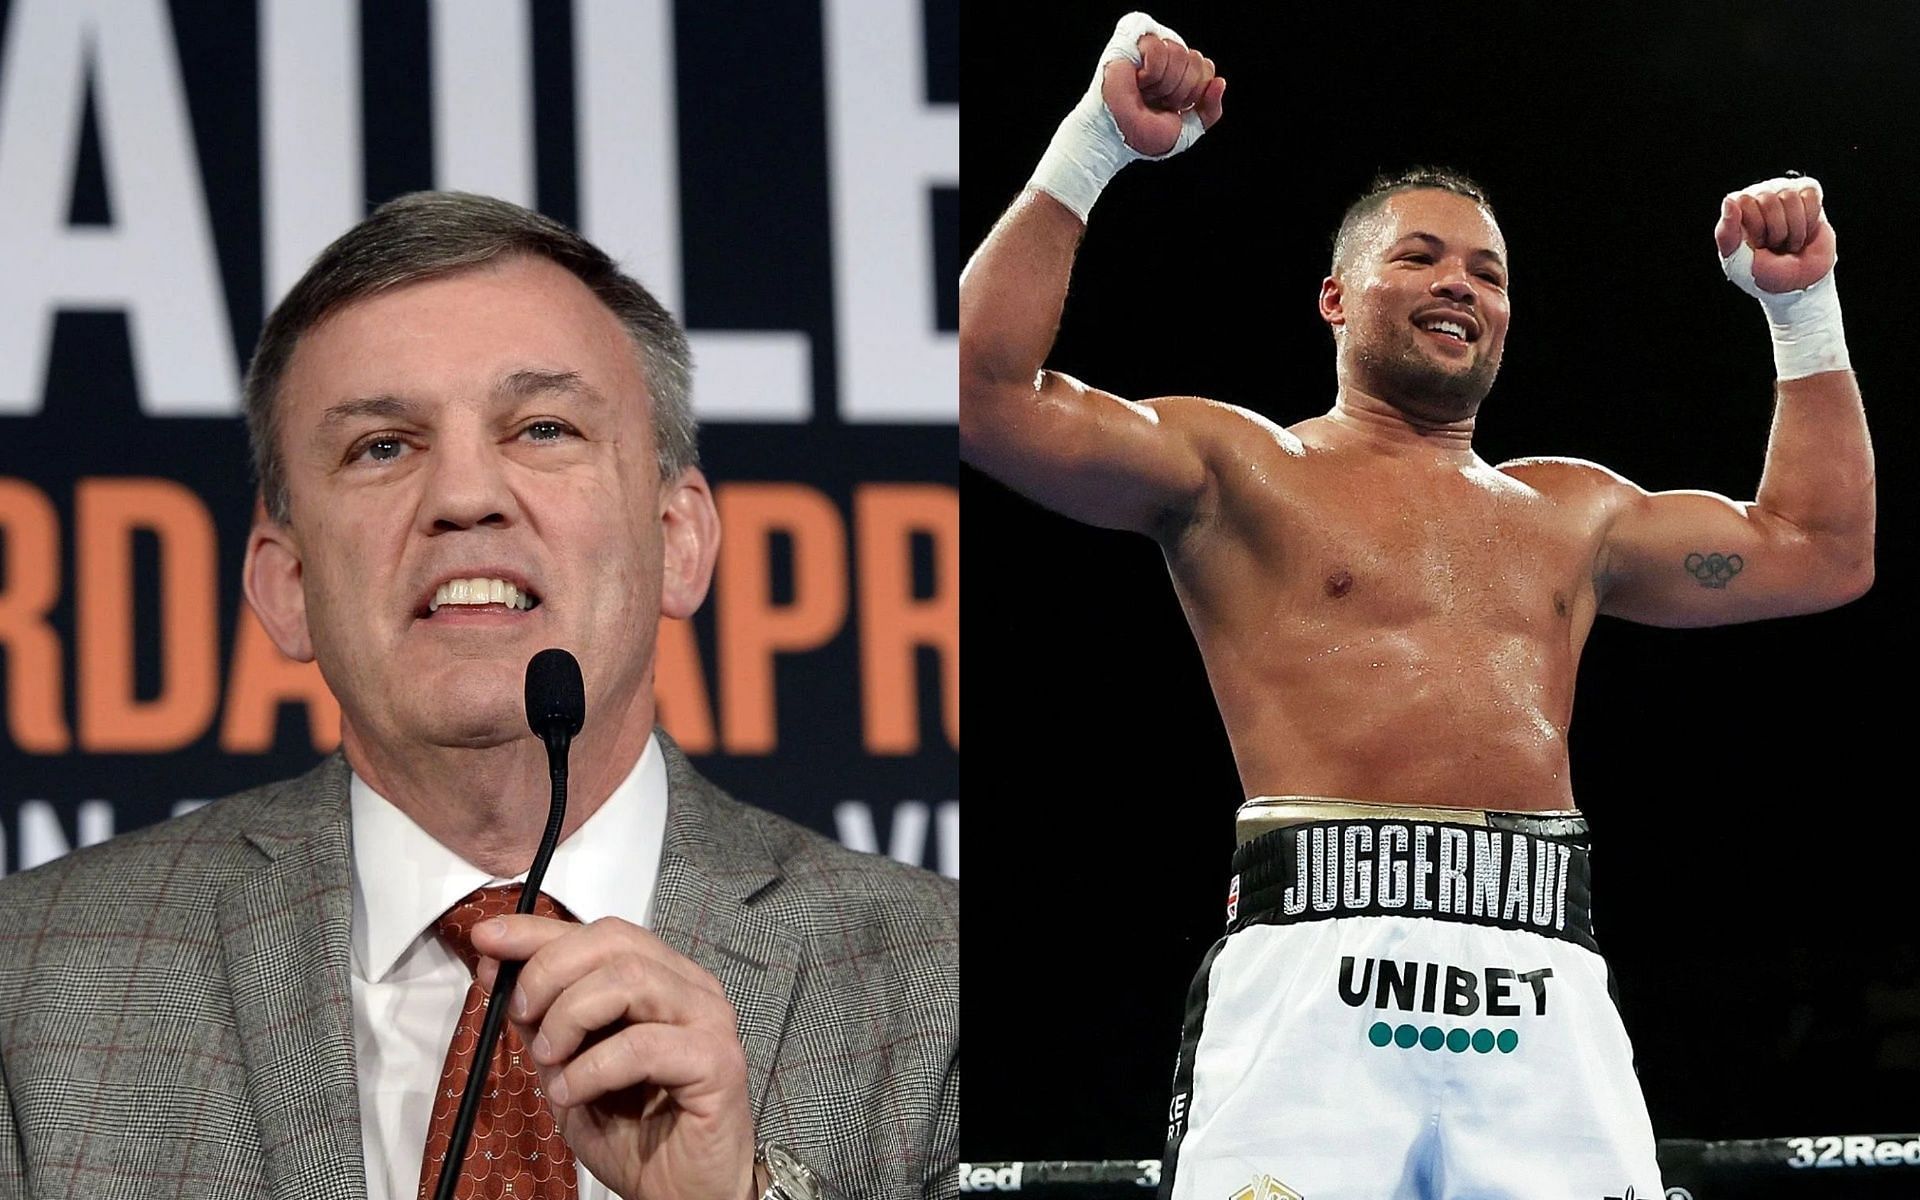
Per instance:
{"type": "Point", "coordinates": [473, 441]}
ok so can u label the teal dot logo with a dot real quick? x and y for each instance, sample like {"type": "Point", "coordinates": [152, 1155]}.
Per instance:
{"type": "Point", "coordinates": [1432, 1037]}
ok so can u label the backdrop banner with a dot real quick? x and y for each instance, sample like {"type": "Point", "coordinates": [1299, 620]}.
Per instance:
{"type": "Point", "coordinates": [785, 177]}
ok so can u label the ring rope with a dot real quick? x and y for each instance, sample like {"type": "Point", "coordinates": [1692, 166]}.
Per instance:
{"type": "Point", "coordinates": [1685, 1161]}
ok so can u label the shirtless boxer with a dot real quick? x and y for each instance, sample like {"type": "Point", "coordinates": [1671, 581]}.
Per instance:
{"type": "Point", "coordinates": [1409, 1000]}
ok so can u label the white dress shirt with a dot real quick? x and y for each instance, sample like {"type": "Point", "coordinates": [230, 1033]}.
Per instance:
{"type": "Point", "coordinates": [408, 988]}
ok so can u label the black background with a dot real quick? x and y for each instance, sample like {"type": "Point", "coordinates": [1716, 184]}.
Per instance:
{"type": "Point", "coordinates": [1754, 868]}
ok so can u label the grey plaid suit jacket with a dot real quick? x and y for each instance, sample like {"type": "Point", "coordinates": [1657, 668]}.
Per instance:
{"type": "Point", "coordinates": [175, 1019]}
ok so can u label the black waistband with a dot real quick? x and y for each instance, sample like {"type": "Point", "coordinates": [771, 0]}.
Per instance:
{"type": "Point", "coordinates": [1516, 872]}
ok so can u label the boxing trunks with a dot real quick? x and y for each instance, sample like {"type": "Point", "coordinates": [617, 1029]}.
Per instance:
{"type": "Point", "coordinates": [1408, 1004]}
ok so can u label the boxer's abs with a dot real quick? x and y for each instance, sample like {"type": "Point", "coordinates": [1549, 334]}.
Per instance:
{"type": "Point", "coordinates": [1396, 726]}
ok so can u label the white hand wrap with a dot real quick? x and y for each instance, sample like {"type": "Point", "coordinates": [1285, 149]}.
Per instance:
{"type": "Point", "coordinates": [1808, 337]}
{"type": "Point", "coordinates": [1087, 150]}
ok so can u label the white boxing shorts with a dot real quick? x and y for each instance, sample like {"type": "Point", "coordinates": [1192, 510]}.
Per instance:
{"type": "Point", "coordinates": [1407, 1005]}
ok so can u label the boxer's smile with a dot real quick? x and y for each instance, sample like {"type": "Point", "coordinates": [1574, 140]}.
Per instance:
{"type": "Point", "coordinates": [1454, 324]}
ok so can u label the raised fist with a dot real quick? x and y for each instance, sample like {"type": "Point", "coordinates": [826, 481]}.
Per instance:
{"type": "Point", "coordinates": [1780, 222]}
{"type": "Point", "coordinates": [1147, 99]}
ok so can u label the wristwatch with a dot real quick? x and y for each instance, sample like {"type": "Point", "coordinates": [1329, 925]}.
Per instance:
{"type": "Point", "coordinates": [787, 1177]}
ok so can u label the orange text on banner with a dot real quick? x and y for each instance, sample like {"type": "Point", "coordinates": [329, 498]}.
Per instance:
{"type": "Point", "coordinates": [108, 513]}
{"type": "Point", "coordinates": [30, 544]}
{"type": "Point", "coordinates": [894, 622]}
{"type": "Point", "coordinates": [261, 680]}
{"type": "Point", "coordinates": [753, 627]}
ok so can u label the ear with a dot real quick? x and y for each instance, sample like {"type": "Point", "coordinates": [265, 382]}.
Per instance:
{"type": "Point", "coordinates": [1333, 302]}
{"type": "Point", "coordinates": [690, 540]}
{"type": "Point", "coordinates": [272, 581]}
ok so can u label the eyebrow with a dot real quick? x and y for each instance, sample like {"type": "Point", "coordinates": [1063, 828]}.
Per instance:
{"type": "Point", "coordinates": [370, 406]}
{"type": "Point", "coordinates": [522, 384]}
{"type": "Point", "coordinates": [1438, 242]}
{"type": "Point", "coordinates": [519, 385]}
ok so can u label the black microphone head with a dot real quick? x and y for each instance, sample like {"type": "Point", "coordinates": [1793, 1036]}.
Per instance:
{"type": "Point", "coordinates": [556, 699]}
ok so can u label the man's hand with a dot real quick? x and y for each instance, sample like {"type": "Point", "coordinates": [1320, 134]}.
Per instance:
{"type": "Point", "coordinates": [638, 1052]}
{"type": "Point", "coordinates": [1780, 220]}
{"type": "Point", "coordinates": [1147, 100]}
{"type": "Point", "coordinates": [1777, 246]}
{"type": "Point", "coordinates": [1150, 96]}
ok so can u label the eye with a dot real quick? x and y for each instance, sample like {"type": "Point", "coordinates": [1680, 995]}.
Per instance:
{"type": "Point", "coordinates": [381, 448]}
{"type": "Point", "coordinates": [1493, 278]}
{"type": "Point", "coordinates": [547, 431]}
{"type": "Point", "coordinates": [1417, 257]}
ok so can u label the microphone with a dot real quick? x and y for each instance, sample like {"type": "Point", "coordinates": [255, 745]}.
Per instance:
{"type": "Point", "coordinates": [556, 709]}
{"type": "Point", "coordinates": [556, 699]}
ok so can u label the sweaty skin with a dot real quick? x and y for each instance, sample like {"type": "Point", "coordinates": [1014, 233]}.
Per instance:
{"type": "Point", "coordinates": [1384, 623]}
{"type": "Point", "coordinates": [1383, 615]}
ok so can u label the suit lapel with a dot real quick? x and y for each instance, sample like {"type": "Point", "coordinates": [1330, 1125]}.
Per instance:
{"type": "Point", "coordinates": [711, 865]}
{"type": "Point", "coordinates": [286, 932]}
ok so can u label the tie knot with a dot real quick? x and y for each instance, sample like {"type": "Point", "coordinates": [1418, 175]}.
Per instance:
{"type": "Point", "coordinates": [455, 926]}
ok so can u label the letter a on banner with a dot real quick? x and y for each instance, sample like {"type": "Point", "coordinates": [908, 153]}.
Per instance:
{"type": "Point", "coordinates": [155, 261]}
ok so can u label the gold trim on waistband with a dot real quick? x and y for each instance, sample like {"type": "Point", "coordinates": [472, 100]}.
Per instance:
{"type": "Point", "coordinates": [1263, 814]}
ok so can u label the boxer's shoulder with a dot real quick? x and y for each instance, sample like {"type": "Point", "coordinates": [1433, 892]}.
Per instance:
{"type": "Point", "coordinates": [1228, 433]}
{"type": "Point", "coordinates": [1567, 480]}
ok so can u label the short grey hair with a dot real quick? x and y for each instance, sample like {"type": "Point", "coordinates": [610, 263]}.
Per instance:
{"type": "Point", "coordinates": [424, 235]}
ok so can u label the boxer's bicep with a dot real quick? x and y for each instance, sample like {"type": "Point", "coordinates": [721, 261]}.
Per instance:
{"type": "Point", "coordinates": [1095, 457]}
{"type": "Point", "coordinates": [1689, 558]}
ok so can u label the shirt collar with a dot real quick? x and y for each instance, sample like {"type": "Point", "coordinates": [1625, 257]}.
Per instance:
{"type": "Point", "coordinates": [403, 879]}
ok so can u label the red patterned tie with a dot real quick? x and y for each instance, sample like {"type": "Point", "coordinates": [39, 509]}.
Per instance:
{"type": "Point", "coordinates": [516, 1151]}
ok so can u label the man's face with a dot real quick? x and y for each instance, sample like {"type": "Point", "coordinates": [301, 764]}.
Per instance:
{"type": "Point", "coordinates": [487, 425]}
{"type": "Point", "coordinates": [1420, 305]}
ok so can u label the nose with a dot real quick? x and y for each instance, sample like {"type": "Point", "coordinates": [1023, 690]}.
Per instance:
{"type": "Point", "coordinates": [466, 487]}
{"type": "Point", "coordinates": [1455, 284]}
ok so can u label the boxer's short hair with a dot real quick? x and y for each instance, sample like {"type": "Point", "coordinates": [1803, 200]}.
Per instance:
{"type": "Point", "coordinates": [1389, 184]}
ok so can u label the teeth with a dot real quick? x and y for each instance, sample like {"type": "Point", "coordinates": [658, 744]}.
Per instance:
{"type": "Point", "coordinates": [479, 591]}
{"type": "Point", "coordinates": [1449, 327]}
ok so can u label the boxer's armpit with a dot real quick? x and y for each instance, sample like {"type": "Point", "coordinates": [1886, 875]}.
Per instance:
{"type": "Point", "coordinates": [1714, 570]}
